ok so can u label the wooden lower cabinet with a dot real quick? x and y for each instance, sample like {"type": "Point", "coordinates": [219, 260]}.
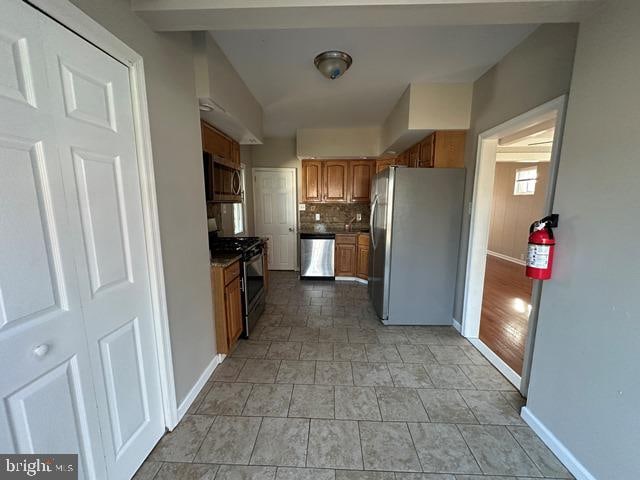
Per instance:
{"type": "Point", "coordinates": [352, 255]}
{"type": "Point", "coordinates": [345, 255]}
{"type": "Point", "coordinates": [362, 256]}
{"type": "Point", "coordinates": [227, 305]}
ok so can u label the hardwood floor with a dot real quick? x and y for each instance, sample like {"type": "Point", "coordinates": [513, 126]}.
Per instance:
{"type": "Point", "coordinates": [506, 303]}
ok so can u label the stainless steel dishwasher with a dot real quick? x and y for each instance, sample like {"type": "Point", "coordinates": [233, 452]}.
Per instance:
{"type": "Point", "coordinates": [317, 255]}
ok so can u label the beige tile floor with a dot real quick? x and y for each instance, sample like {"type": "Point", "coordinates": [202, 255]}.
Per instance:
{"type": "Point", "coordinates": [324, 391]}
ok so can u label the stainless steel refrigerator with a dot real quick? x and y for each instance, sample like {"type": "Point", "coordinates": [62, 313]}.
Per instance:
{"type": "Point", "coordinates": [416, 215]}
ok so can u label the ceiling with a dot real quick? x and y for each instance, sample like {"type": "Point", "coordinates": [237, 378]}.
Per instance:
{"type": "Point", "coordinates": [532, 144]}
{"type": "Point", "coordinates": [277, 66]}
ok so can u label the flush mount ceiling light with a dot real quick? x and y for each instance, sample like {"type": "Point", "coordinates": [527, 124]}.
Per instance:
{"type": "Point", "coordinates": [333, 63]}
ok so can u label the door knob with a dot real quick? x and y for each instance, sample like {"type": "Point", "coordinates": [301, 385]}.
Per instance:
{"type": "Point", "coordinates": [291, 229]}
{"type": "Point", "coordinates": [41, 350]}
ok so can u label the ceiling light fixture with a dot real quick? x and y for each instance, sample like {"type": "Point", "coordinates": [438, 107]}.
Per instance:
{"type": "Point", "coordinates": [333, 63]}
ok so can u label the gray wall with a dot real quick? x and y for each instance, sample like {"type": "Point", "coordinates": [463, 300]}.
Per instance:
{"type": "Point", "coordinates": [511, 215]}
{"type": "Point", "coordinates": [177, 154]}
{"type": "Point", "coordinates": [585, 384]}
{"type": "Point", "coordinates": [534, 72]}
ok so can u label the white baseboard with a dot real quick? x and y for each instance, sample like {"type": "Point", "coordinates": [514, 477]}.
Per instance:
{"type": "Point", "coordinates": [506, 257]}
{"type": "Point", "coordinates": [556, 446]}
{"type": "Point", "coordinates": [351, 279]}
{"type": "Point", "coordinates": [456, 324]}
{"type": "Point", "coordinates": [199, 385]}
{"type": "Point", "coordinates": [497, 362]}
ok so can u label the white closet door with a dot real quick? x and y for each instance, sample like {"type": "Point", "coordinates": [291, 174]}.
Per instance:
{"type": "Point", "coordinates": [76, 328]}
{"type": "Point", "coordinates": [47, 401]}
{"type": "Point", "coordinates": [93, 114]}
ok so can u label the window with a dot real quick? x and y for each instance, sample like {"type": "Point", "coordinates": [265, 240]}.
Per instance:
{"type": "Point", "coordinates": [239, 209]}
{"type": "Point", "coordinates": [526, 179]}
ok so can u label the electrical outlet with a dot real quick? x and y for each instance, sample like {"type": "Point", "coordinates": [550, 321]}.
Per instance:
{"type": "Point", "coordinates": [317, 217]}
{"type": "Point", "coordinates": [358, 217]}
{"type": "Point", "coordinates": [302, 207]}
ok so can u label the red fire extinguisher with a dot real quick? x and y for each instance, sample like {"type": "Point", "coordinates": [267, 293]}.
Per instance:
{"type": "Point", "coordinates": [541, 247]}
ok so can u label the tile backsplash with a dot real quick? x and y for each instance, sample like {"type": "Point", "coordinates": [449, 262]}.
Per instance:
{"type": "Point", "coordinates": [334, 216]}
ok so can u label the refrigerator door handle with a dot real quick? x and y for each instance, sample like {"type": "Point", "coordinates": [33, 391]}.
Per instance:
{"type": "Point", "coordinates": [374, 204]}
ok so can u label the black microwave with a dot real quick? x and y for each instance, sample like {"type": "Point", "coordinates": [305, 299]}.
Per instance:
{"type": "Point", "coordinates": [222, 183]}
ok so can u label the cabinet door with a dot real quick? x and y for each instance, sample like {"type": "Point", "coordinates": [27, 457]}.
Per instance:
{"type": "Point", "coordinates": [414, 156]}
{"type": "Point", "coordinates": [360, 174]}
{"type": "Point", "coordinates": [426, 152]}
{"type": "Point", "coordinates": [449, 149]}
{"type": "Point", "coordinates": [233, 309]}
{"type": "Point", "coordinates": [235, 153]}
{"type": "Point", "coordinates": [362, 264]}
{"type": "Point", "coordinates": [311, 181]}
{"type": "Point", "coordinates": [336, 181]}
{"type": "Point", "coordinates": [345, 260]}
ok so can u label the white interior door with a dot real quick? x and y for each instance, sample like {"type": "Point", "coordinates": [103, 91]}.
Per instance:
{"type": "Point", "coordinates": [275, 214]}
{"type": "Point", "coordinates": [76, 326]}
{"type": "Point", "coordinates": [48, 401]}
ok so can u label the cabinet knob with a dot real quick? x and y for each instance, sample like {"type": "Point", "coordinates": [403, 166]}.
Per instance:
{"type": "Point", "coordinates": [41, 350]}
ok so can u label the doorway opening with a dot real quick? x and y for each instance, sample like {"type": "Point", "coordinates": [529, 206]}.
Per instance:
{"type": "Point", "coordinates": [514, 186]}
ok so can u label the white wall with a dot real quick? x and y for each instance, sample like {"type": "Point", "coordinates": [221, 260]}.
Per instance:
{"type": "Point", "coordinates": [338, 142]}
{"type": "Point", "coordinates": [534, 72]}
{"type": "Point", "coordinates": [585, 384]}
{"type": "Point", "coordinates": [442, 106]}
{"type": "Point", "coordinates": [217, 79]}
{"type": "Point", "coordinates": [177, 154]}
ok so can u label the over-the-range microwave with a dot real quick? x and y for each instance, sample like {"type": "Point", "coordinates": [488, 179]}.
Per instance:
{"type": "Point", "coordinates": [222, 183]}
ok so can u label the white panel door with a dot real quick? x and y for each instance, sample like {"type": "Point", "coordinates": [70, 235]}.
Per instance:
{"type": "Point", "coordinates": [93, 115]}
{"type": "Point", "coordinates": [275, 214]}
{"type": "Point", "coordinates": [76, 332]}
{"type": "Point", "coordinates": [48, 403]}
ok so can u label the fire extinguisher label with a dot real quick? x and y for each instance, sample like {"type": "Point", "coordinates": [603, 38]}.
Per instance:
{"type": "Point", "coordinates": [538, 256]}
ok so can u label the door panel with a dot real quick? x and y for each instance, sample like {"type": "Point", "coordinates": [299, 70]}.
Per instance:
{"type": "Point", "coordinates": [102, 211]}
{"type": "Point", "coordinates": [122, 361]}
{"type": "Point", "coordinates": [38, 429]}
{"type": "Point", "coordinates": [275, 215]}
{"type": "Point", "coordinates": [336, 181]}
{"type": "Point", "coordinates": [26, 293]}
{"type": "Point", "coordinates": [360, 174]}
{"type": "Point", "coordinates": [311, 181]}
{"type": "Point", "coordinates": [48, 403]}
{"type": "Point", "coordinates": [102, 189]}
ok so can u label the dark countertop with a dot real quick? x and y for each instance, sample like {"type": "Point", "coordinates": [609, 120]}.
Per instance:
{"type": "Point", "coordinates": [224, 259]}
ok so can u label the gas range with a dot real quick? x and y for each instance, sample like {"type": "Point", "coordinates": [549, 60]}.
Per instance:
{"type": "Point", "coordinates": [247, 246]}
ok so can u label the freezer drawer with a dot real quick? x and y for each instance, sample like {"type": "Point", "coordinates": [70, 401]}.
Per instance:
{"type": "Point", "coordinates": [317, 256]}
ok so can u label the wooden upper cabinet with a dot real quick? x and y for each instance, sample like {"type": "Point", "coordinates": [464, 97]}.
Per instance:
{"type": "Point", "coordinates": [426, 152]}
{"type": "Point", "coordinates": [441, 149]}
{"type": "Point", "coordinates": [235, 154]}
{"type": "Point", "coordinates": [312, 182]}
{"type": "Point", "coordinates": [384, 163]}
{"type": "Point", "coordinates": [402, 159]}
{"type": "Point", "coordinates": [336, 181]}
{"type": "Point", "coordinates": [360, 174]}
{"type": "Point", "coordinates": [224, 149]}
{"type": "Point", "coordinates": [449, 148]}
{"type": "Point", "coordinates": [413, 156]}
